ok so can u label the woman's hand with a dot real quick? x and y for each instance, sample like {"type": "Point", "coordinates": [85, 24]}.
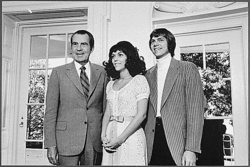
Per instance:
{"type": "Point", "coordinates": [105, 144]}
{"type": "Point", "coordinates": [105, 140]}
{"type": "Point", "coordinates": [113, 144]}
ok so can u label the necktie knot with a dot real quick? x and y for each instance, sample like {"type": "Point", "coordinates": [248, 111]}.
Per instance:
{"type": "Point", "coordinates": [83, 68]}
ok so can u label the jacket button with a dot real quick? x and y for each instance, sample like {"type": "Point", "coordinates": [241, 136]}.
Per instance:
{"type": "Point", "coordinates": [153, 130]}
{"type": "Point", "coordinates": [85, 122]}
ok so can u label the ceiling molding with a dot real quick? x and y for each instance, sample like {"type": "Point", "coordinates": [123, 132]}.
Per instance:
{"type": "Point", "coordinates": [46, 15]}
{"type": "Point", "coordinates": [187, 8]}
{"type": "Point", "coordinates": [23, 6]}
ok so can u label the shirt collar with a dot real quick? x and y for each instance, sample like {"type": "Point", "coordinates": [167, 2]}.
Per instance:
{"type": "Point", "coordinates": [164, 60]}
{"type": "Point", "coordinates": [78, 65]}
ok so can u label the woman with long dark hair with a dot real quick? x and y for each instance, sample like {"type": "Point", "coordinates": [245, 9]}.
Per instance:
{"type": "Point", "coordinates": [127, 94]}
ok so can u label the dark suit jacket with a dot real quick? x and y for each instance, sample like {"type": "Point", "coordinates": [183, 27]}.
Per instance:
{"type": "Point", "coordinates": [69, 115]}
{"type": "Point", "coordinates": [182, 109]}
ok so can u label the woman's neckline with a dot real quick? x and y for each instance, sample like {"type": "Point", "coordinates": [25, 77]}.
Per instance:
{"type": "Point", "coordinates": [123, 86]}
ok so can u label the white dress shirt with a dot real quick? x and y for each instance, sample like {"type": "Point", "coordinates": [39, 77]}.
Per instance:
{"type": "Point", "coordinates": [162, 70]}
{"type": "Point", "coordinates": [78, 69]}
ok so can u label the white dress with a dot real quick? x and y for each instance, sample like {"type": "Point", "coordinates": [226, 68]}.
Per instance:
{"type": "Point", "coordinates": [124, 103]}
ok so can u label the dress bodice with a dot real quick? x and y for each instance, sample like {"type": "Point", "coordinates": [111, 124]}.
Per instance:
{"type": "Point", "coordinates": [123, 102]}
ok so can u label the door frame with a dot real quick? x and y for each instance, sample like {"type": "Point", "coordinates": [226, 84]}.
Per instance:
{"type": "Point", "coordinates": [22, 78]}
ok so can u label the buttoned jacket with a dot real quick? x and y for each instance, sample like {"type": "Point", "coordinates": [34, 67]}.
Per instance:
{"type": "Point", "coordinates": [70, 117]}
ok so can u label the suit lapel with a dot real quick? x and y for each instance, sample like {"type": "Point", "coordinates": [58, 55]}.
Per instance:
{"type": "Point", "coordinates": [95, 74]}
{"type": "Point", "coordinates": [153, 87]}
{"type": "Point", "coordinates": [172, 74]}
{"type": "Point", "coordinates": [73, 76]}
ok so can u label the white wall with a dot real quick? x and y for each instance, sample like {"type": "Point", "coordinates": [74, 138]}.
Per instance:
{"type": "Point", "coordinates": [111, 22]}
{"type": "Point", "coordinates": [131, 21]}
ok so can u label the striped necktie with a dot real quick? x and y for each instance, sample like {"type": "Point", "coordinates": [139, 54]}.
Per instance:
{"type": "Point", "coordinates": [84, 81]}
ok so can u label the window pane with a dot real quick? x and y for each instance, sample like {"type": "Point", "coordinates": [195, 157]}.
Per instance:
{"type": "Point", "coordinates": [56, 50]}
{"type": "Point", "coordinates": [193, 54]}
{"type": "Point", "coordinates": [218, 93]}
{"type": "Point", "coordinates": [217, 58]}
{"type": "Point", "coordinates": [216, 80]}
{"type": "Point", "coordinates": [35, 117]}
{"type": "Point", "coordinates": [69, 56]}
{"type": "Point", "coordinates": [36, 86]}
{"type": "Point", "coordinates": [35, 145]}
{"type": "Point", "coordinates": [69, 44]}
{"type": "Point", "coordinates": [38, 51]}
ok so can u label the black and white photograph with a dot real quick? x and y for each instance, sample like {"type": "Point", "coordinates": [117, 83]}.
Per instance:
{"type": "Point", "coordinates": [125, 83]}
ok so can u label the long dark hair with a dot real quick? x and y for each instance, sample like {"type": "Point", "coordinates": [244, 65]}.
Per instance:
{"type": "Point", "coordinates": [134, 63]}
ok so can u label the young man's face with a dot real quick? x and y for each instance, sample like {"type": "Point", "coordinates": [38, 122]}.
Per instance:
{"type": "Point", "coordinates": [81, 48]}
{"type": "Point", "coordinates": [159, 46]}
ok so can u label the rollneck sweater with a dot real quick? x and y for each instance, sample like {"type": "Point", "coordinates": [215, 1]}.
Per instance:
{"type": "Point", "coordinates": [162, 70]}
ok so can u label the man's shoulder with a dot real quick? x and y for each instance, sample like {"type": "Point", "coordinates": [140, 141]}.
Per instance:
{"type": "Point", "coordinates": [150, 69]}
{"type": "Point", "coordinates": [97, 66]}
{"type": "Point", "coordinates": [185, 63]}
{"type": "Point", "coordinates": [64, 66]}
{"type": "Point", "coordinates": [187, 66]}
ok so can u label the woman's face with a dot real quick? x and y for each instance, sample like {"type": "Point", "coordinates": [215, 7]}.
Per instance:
{"type": "Point", "coordinates": [119, 60]}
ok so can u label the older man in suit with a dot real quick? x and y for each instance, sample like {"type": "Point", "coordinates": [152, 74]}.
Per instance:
{"type": "Point", "coordinates": [176, 105]}
{"type": "Point", "coordinates": [75, 104]}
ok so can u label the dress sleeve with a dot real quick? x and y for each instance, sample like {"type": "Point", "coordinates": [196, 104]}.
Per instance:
{"type": "Point", "coordinates": [142, 88]}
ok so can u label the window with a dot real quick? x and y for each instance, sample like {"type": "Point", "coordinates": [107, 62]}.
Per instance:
{"type": "Point", "coordinates": [47, 52]}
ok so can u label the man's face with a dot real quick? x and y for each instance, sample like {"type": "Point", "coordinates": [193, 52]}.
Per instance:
{"type": "Point", "coordinates": [81, 48]}
{"type": "Point", "coordinates": [159, 46]}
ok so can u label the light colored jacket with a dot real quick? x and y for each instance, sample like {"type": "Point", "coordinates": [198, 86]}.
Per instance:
{"type": "Point", "coordinates": [69, 115]}
{"type": "Point", "coordinates": [182, 109]}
